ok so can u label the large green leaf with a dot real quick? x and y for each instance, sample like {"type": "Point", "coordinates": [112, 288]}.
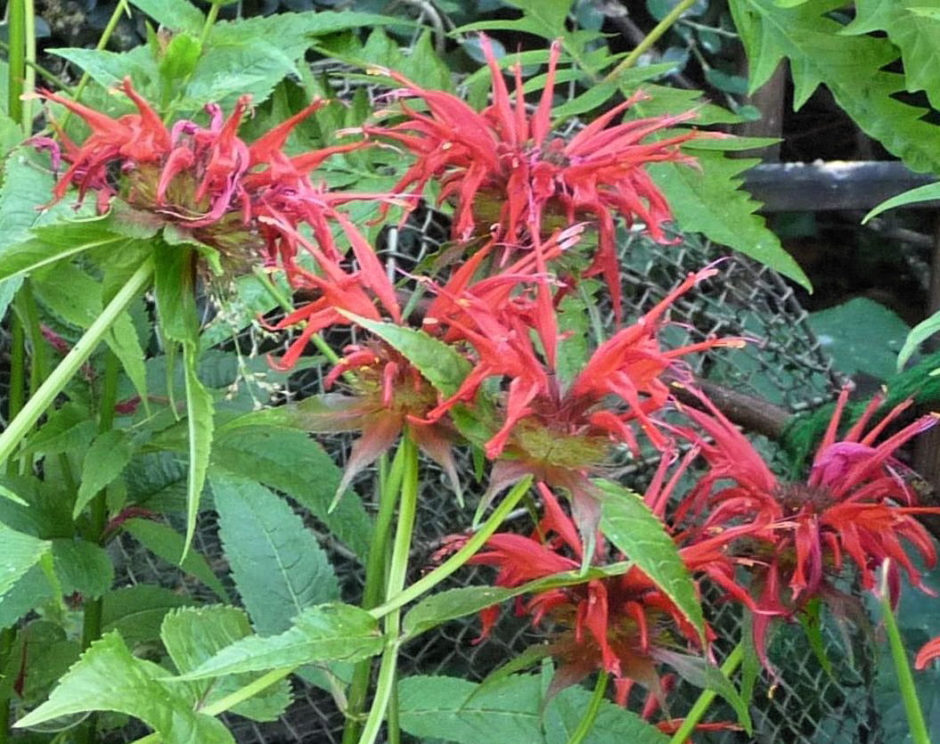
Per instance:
{"type": "Point", "coordinates": [708, 200]}
{"type": "Point", "coordinates": [860, 336]}
{"type": "Point", "coordinates": [852, 67]}
{"type": "Point", "coordinates": [67, 429]}
{"type": "Point", "coordinates": [276, 563]}
{"type": "Point", "coordinates": [194, 635]}
{"type": "Point", "coordinates": [915, 33]}
{"type": "Point", "coordinates": [508, 710]}
{"type": "Point", "coordinates": [443, 366]}
{"type": "Point", "coordinates": [108, 677]}
{"type": "Point", "coordinates": [549, 14]}
{"type": "Point", "coordinates": [51, 243]}
{"type": "Point", "coordinates": [292, 462]}
{"type": "Point", "coordinates": [164, 541]}
{"type": "Point", "coordinates": [928, 192]}
{"type": "Point", "coordinates": [629, 524]}
{"type": "Point", "coordinates": [330, 632]}
{"type": "Point", "coordinates": [19, 554]}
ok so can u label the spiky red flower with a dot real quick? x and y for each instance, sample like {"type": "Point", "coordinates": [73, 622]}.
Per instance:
{"type": "Point", "coordinates": [617, 624]}
{"type": "Point", "coordinates": [857, 503]}
{"type": "Point", "coordinates": [503, 167]}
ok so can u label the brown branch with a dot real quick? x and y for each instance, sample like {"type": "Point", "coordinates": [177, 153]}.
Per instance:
{"type": "Point", "coordinates": [747, 411]}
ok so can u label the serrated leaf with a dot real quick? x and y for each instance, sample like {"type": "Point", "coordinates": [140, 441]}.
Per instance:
{"type": "Point", "coordinates": [136, 612]}
{"type": "Point", "coordinates": [174, 290]}
{"type": "Point", "coordinates": [48, 244]}
{"type": "Point", "coordinates": [612, 724]}
{"type": "Point", "coordinates": [292, 462]}
{"type": "Point", "coordinates": [629, 524]}
{"type": "Point", "coordinates": [330, 632]}
{"type": "Point", "coordinates": [709, 201]}
{"type": "Point", "coordinates": [177, 15]}
{"type": "Point", "coordinates": [104, 461]}
{"type": "Point", "coordinates": [108, 69]}
{"type": "Point", "coordinates": [20, 553]}
{"type": "Point", "coordinates": [457, 710]}
{"type": "Point", "coordinates": [67, 429]}
{"type": "Point", "coordinates": [109, 677]}
{"type": "Point", "coordinates": [550, 14]}
{"type": "Point", "coordinates": [82, 567]}
{"type": "Point", "coordinates": [193, 635]}
{"type": "Point", "coordinates": [199, 425]}
{"type": "Point", "coordinates": [167, 543]}
{"type": "Point", "coordinates": [914, 32]}
{"type": "Point", "coordinates": [442, 365]}
{"type": "Point", "coordinates": [852, 67]}
{"type": "Point", "coordinates": [276, 563]}
{"type": "Point", "coordinates": [28, 593]}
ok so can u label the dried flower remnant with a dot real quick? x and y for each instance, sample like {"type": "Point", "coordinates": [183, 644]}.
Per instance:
{"type": "Point", "coordinates": [509, 176]}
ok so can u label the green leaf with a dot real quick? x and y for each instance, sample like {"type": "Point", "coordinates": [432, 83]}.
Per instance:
{"type": "Point", "coordinates": [82, 567]}
{"type": "Point", "coordinates": [199, 424]}
{"type": "Point", "coordinates": [20, 553]}
{"type": "Point", "coordinates": [852, 67]}
{"type": "Point", "coordinates": [629, 524]}
{"type": "Point", "coordinates": [174, 290]}
{"type": "Point", "coordinates": [442, 365]}
{"type": "Point", "coordinates": [67, 429]}
{"type": "Point", "coordinates": [109, 677]}
{"type": "Point", "coordinates": [919, 333]}
{"type": "Point", "coordinates": [709, 201]}
{"type": "Point", "coordinates": [290, 461]}
{"type": "Point", "coordinates": [860, 336]}
{"type": "Point", "coordinates": [136, 612]}
{"type": "Point", "coordinates": [49, 244]}
{"type": "Point", "coordinates": [176, 15]}
{"type": "Point", "coordinates": [924, 193]}
{"type": "Point", "coordinates": [194, 635]}
{"type": "Point", "coordinates": [108, 69]}
{"type": "Point", "coordinates": [276, 563]}
{"type": "Point", "coordinates": [167, 543]}
{"type": "Point", "coordinates": [914, 32]}
{"type": "Point", "coordinates": [550, 14]}
{"type": "Point", "coordinates": [28, 593]}
{"type": "Point", "coordinates": [613, 723]}
{"type": "Point", "coordinates": [508, 710]}
{"type": "Point", "coordinates": [104, 461]}
{"type": "Point", "coordinates": [330, 632]}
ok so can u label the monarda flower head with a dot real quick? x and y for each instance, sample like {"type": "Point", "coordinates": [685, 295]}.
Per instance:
{"type": "Point", "coordinates": [858, 504]}
{"type": "Point", "coordinates": [205, 179]}
{"type": "Point", "coordinates": [509, 176]}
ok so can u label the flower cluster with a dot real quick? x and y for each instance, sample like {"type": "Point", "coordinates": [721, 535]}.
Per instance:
{"type": "Point", "coordinates": [534, 214]}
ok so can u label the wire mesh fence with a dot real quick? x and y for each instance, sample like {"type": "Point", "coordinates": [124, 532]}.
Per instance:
{"type": "Point", "coordinates": [810, 701]}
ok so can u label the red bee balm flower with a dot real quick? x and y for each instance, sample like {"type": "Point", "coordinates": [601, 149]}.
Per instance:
{"type": "Point", "coordinates": [855, 503]}
{"type": "Point", "coordinates": [617, 624]}
{"type": "Point", "coordinates": [502, 166]}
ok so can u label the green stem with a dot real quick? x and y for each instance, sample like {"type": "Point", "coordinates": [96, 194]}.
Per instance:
{"type": "Point", "coordinates": [29, 60]}
{"type": "Point", "coordinates": [16, 57]}
{"type": "Point", "coordinates": [458, 559]}
{"type": "Point", "coordinates": [397, 572]}
{"type": "Point", "coordinates": [376, 564]}
{"type": "Point", "coordinates": [121, 8]}
{"type": "Point", "coordinates": [17, 394]}
{"type": "Point", "coordinates": [705, 700]}
{"type": "Point", "coordinates": [651, 38]}
{"type": "Point", "coordinates": [590, 715]}
{"type": "Point", "coordinates": [7, 639]}
{"type": "Point", "coordinates": [73, 361]}
{"type": "Point", "coordinates": [902, 668]}
{"type": "Point", "coordinates": [211, 18]}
